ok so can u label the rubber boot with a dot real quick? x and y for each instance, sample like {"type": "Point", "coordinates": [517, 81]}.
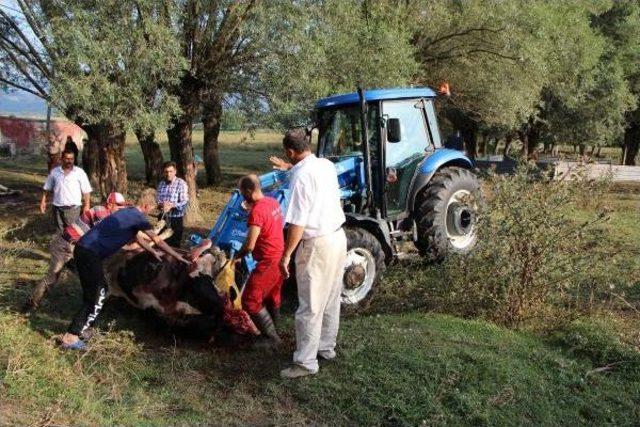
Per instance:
{"type": "Point", "coordinates": [275, 314]}
{"type": "Point", "coordinates": [267, 328]}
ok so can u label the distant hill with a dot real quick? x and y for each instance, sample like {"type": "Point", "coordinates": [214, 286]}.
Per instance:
{"type": "Point", "coordinates": [22, 104]}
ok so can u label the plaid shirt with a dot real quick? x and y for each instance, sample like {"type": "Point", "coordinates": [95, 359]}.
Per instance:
{"type": "Point", "coordinates": [175, 192]}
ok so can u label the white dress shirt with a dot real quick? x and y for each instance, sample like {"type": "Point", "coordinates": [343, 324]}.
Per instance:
{"type": "Point", "coordinates": [67, 188]}
{"type": "Point", "coordinates": [315, 197]}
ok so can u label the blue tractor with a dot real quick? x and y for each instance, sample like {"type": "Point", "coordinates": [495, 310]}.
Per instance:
{"type": "Point", "coordinates": [399, 184]}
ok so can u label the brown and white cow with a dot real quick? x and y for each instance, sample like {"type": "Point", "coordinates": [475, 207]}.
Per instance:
{"type": "Point", "coordinates": [184, 296]}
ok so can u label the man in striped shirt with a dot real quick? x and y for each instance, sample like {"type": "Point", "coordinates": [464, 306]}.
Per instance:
{"type": "Point", "coordinates": [63, 243]}
{"type": "Point", "coordinates": [172, 198]}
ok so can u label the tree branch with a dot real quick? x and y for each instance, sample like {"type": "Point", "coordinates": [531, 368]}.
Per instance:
{"type": "Point", "coordinates": [23, 71]}
{"type": "Point", "coordinates": [25, 40]}
{"type": "Point", "coordinates": [24, 54]}
{"type": "Point", "coordinates": [24, 88]}
{"type": "Point", "coordinates": [462, 33]}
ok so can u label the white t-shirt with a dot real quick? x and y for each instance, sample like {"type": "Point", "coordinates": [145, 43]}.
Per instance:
{"type": "Point", "coordinates": [315, 198]}
{"type": "Point", "coordinates": [67, 188]}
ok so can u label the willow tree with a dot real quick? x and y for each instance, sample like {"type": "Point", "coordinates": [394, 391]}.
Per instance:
{"type": "Point", "coordinates": [503, 58]}
{"type": "Point", "coordinates": [621, 26]}
{"type": "Point", "coordinates": [94, 60]}
{"type": "Point", "coordinates": [333, 46]}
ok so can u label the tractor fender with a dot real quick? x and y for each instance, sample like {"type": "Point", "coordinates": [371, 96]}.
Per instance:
{"type": "Point", "coordinates": [379, 228]}
{"type": "Point", "coordinates": [441, 158]}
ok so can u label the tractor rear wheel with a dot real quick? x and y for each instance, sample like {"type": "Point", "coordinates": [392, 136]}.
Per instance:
{"type": "Point", "coordinates": [446, 213]}
{"type": "Point", "coordinates": [363, 266]}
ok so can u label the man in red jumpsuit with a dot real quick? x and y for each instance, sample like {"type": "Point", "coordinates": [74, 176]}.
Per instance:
{"type": "Point", "coordinates": [265, 241]}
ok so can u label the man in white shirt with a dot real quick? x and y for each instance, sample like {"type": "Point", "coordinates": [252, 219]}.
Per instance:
{"type": "Point", "coordinates": [71, 191]}
{"type": "Point", "coordinates": [315, 219]}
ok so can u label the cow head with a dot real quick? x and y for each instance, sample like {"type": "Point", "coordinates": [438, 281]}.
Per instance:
{"type": "Point", "coordinates": [210, 263]}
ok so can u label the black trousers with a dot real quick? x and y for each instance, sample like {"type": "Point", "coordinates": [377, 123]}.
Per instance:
{"type": "Point", "coordinates": [94, 289]}
{"type": "Point", "coordinates": [177, 225]}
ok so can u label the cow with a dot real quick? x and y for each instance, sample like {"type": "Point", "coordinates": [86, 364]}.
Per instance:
{"type": "Point", "coordinates": [185, 297]}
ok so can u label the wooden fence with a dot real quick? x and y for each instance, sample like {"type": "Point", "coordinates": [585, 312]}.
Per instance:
{"type": "Point", "coordinates": [568, 169]}
{"type": "Point", "coordinates": [618, 173]}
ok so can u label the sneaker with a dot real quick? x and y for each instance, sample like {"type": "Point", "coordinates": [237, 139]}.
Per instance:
{"type": "Point", "coordinates": [296, 371]}
{"type": "Point", "coordinates": [87, 334]}
{"type": "Point", "coordinates": [77, 345]}
{"type": "Point", "coordinates": [327, 355]}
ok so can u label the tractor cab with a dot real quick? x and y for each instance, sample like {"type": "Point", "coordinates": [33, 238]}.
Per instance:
{"type": "Point", "coordinates": [401, 131]}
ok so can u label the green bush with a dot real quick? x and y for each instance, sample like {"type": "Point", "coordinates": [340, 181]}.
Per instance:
{"type": "Point", "coordinates": [539, 255]}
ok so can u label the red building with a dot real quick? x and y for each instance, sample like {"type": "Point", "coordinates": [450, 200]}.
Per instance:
{"type": "Point", "coordinates": [28, 133]}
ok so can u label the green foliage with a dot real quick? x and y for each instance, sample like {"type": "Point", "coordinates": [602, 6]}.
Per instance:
{"type": "Point", "coordinates": [233, 120]}
{"type": "Point", "coordinates": [598, 340]}
{"type": "Point", "coordinates": [330, 47]}
{"type": "Point", "coordinates": [119, 57]}
{"type": "Point", "coordinates": [534, 260]}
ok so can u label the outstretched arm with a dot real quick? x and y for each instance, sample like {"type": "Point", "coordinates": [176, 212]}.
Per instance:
{"type": "Point", "coordinates": [280, 164]}
{"type": "Point", "coordinates": [163, 245]}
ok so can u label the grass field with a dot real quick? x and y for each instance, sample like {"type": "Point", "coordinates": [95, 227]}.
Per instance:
{"type": "Point", "coordinates": [398, 364]}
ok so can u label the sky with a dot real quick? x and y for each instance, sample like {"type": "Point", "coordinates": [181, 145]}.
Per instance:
{"type": "Point", "coordinates": [20, 103]}
{"type": "Point", "coordinates": [17, 102]}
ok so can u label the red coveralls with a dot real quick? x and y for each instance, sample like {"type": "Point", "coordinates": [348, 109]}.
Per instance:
{"type": "Point", "coordinates": [264, 284]}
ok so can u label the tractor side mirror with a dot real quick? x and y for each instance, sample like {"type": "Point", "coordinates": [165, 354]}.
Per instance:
{"type": "Point", "coordinates": [393, 130]}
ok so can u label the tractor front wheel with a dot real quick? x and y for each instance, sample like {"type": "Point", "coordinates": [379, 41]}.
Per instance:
{"type": "Point", "coordinates": [363, 266]}
{"type": "Point", "coordinates": [446, 213]}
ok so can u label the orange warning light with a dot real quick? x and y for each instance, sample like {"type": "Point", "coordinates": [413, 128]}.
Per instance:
{"type": "Point", "coordinates": [444, 89]}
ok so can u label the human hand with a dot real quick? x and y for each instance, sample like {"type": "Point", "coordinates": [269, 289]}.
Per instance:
{"type": "Point", "coordinates": [194, 254]}
{"type": "Point", "coordinates": [284, 266]}
{"type": "Point", "coordinates": [279, 164]}
{"type": "Point", "coordinates": [167, 206]}
{"type": "Point", "coordinates": [43, 206]}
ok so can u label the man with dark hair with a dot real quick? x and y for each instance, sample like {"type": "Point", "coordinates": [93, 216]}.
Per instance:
{"type": "Point", "coordinates": [71, 189]}
{"type": "Point", "coordinates": [99, 243]}
{"type": "Point", "coordinates": [173, 197]}
{"type": "Point", "coordinates": [315, 219]}
{"type": "Point", "coordinates": [70, 145]}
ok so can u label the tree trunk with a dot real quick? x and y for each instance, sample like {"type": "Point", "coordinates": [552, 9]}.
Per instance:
{"type": "Point", "coordinates": [469, 136]}
{"type": "Point", "coordinates": [211, 124]}
{"type": "Point", "coordinates": [181, 149]}
{"type": "Point", "coordinates": [482, 147]}
{"type": "Point", "coordinates": [152, 156]}
{"type": "Point", "coordinates": [103, 158]}
{"type": "Point", "coordinates": [507, 144]}
{"type": "Point", "coordinates": [112, 163]}
{"type": "Point", "coordinates": [631, 144]}
{"type": "Point", "coordinates": [496, 141]}
{"type": "Point", "coordinates": [524, 138]}
{"type": "Point", "coordinates": [90, 153]}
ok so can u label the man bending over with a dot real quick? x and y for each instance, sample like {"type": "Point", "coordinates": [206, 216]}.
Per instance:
{"type": "Point", "coordinates": [99, 243]}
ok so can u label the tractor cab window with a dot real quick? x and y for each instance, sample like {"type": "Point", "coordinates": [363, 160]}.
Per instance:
{"type": "Point", "coordinates": [402, 157]}
{"type": "Point", "coordinates": [340, 133]}
{"type": "Point", "coordinates": [414, 140]}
